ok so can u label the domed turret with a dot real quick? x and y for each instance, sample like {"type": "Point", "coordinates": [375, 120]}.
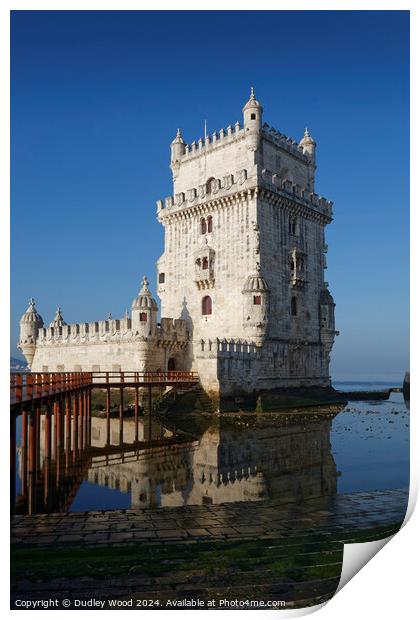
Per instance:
{"type": "Point", "coordinates": [256, 294]}
{"type": "Point", "coordinates": [144, 312]}
{"type": "Point", "coordinates": [177, 151]}
{"type": "Point", "coordinates": [30, 323]}
{"type": "Point", "coordinates": [253, 112]}
{"type": "Point", "coordinates": [308, 145]}
{"type": "Point", "coordinates": [58, 319]}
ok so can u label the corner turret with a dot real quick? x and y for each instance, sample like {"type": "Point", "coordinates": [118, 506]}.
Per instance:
{"type": "Point", "coordinates": [253, 112]}
{"type": "Point", "coordinates": [144, 312]}
{"type": "Point", "coordinates": [177, 151]}
{"type": "Point", "coordinates": [256, 307]}
{"type": "Point", "coordinates": [30, 323]}
{"type": "Point", "coordinates": [327, 330]}
{"type": "Point", "coordinates": [308, 145]}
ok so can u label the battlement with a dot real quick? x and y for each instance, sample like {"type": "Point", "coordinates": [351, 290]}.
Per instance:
{"type": "Point", "coordinates": [213, 141]}
{"type": "Point", "coordinates": [84, 331]}
{"type": "Point", "coordinates": [235, 347]}
{"type": "Point", "coordinates": [234, 182]}
{"type": "Point", "coordinates": [274, 182]}
{"type": "Point", "coordinates": [234, 132]}
{"type": "Point", "coordinates": [284, 142]}
{"type": "Point", "coordinates": [109, 330]}
{"type": "Point", "coordinates": [195, 195]}
{"type": "Point", "coordinates": [172, 330]}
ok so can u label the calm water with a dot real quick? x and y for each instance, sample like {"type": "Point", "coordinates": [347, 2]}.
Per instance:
{"type": "Point", "coordinates": [208, 459]}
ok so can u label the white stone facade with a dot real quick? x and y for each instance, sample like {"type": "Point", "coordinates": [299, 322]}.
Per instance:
{"type": "Point", "coordinates": [242, 273]}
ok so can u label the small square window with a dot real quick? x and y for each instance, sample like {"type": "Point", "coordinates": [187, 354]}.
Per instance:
{"type": "Point", "coordinates": [252, 117]}
{"type": "Point", "coordinates": [257, 300]}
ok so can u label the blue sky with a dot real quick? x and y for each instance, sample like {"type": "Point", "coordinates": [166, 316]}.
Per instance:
{"type": "Point", "coordinates": [96, 97]}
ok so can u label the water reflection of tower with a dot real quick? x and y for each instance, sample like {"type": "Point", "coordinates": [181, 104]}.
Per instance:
{"type": "Point", "coordinates": [236, 459]}
{"type": "Point", "coordinates": [290, 461]}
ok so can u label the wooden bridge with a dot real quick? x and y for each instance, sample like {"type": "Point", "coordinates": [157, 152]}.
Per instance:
{"type": "Point", "coordinates": [63, 399]}
{"type": "Point", "coordinates": [30, 387]}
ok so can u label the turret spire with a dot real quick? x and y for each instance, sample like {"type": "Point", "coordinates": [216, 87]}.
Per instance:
{"type": "Point", "coordinates": [178, 138]}
{"type": "Point", "coordinates": [58, 319]}
{"type": "Point", "coordinates": [145, 285]}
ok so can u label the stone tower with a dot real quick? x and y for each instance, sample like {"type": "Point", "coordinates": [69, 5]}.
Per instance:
{"type": "Point", "coordinates": [244, 257]}
{"type": "Point", "coordinates": [244, 300]}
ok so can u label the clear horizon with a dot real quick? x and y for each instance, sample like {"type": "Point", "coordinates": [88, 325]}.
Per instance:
{"type": "Point", "coordinates": [96, 97]}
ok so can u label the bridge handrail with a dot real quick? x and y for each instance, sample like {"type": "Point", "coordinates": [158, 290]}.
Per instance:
{"type": "Point", "coordinates": [27, 386]}
{"type": "Point", "coordinates": [136, 376]}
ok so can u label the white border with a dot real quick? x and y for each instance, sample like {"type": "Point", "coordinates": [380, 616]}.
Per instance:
{"type": "Point", "coordinates": [387, 585]}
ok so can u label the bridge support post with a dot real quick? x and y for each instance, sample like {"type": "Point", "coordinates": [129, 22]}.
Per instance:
{"type": "Point", "coordinates": [47, 432]}
{"type": "Point", "coordinates": [67, 405]}
{"type": "Point", "coordinates": [121, 415]}
{"type": "Point", "coordinates": [32, 462]}
{"type": "Point", "coordinates": [89, 415]}
{"type": "Point", "coordinates": [47, 452]}
{"type": "Point", "coordinates": [24, 453]}
{"type": "Point", "coordinates": [59, 423]}
{"type": "Point", "coordinates": [38, 442]}
{"type": "Point", "coordinates": [62, 423]}
{"type": "Point", "coordinates": [13, 422]}
{"type": "Point", "coordinates": [136, 413]}
{"type": "Point", "coordinates": [56, 427]}
{"type": "Point", "coordinates": [81, 420]}
{"type": "Point", "coordinates": [108, 416]}
{"type": "Point", "coordinates": [68, 431]}
{"type": "Point", "coordinates": [150, 411]}
{"type": "Point", "coordinates": [75, 425]}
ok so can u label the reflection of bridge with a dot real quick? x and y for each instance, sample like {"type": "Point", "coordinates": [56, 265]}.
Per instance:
{"type": "Point", "coordinates": [59, 473]}
{"type": "Point", "coordinates": [65, 401]}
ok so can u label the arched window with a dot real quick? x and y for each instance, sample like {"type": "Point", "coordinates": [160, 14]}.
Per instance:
{"type": "Point", "coordinates": [203, 226]}
{"type": "Point", "coordinates": [208, 185]}
{"type": "Point", "coordinates": [209, 224]}
{"type": "Point", "coordinates": [206, 305]}
{"type": "Point", "coordinates": [205, 264]}
{"type": "Point", "coordinates": [293, 306]}
{"type": "Point", "coordinates": [293, 226]}
{"type": "Point", "coordinates": [143, 317]}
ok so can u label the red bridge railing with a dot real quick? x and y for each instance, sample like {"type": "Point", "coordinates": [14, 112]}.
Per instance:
{"type": "Point", "coordinates": [144, 378]}
{"type": "Point", "coordinates": [29, 386]}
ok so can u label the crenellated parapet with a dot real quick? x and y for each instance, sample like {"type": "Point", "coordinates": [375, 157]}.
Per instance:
{"type": "Point", "coordinates": [227, 347]}
{"type": "Point", "coordinates": [172, 332]}
{"type": "Point", "coordinates": [231, 184]}
{"type": "Point", "coordinates": [215, 140]}
{"type": "Point", "coordinates": [284, 142]}
{"type": "Point", "coordinates": [275, 183]}
{"type": "Point", "coordinates": [194, 196]}
{"type": "Point", "coordinates": [118, 330]}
